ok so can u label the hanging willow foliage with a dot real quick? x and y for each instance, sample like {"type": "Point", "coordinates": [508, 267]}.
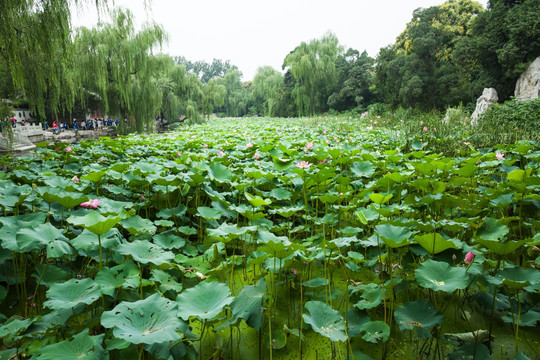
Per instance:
{"type": "Point", "coordinates": [313, 67]}
{"type": "Point", "coordinates": [35, 48]}
{"type": "Point", "coordinates": [115, 62]}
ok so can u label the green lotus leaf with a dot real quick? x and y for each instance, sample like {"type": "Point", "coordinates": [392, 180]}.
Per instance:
{"type": "Point", "coordinates": [493, 230]}
{"type": "Point", "coordinates": [516, 277]}
{"type": "Point", "coordinates": [438, 275]}
{"type": "Point", "coordinates": [529, 319]}
{"type": "Point", "coordinates": [68, 200]}
{"type": "Point", "coordinates": [280, 194]}
{"type": "Point", "coordinates": [82, 346]}
{"type": "Point", "coordinates": [257, 201]}
{"type": "Point", "coordinates": [228, 232]}
{"type": "Point", "coordinates": [48, 274]}
{"type": "Point", "coordinates": [166, 281]}
{"type": "Point", "coordinates": [325, 320]}
{"type": "Point", "coordinates": [137, 225]}
{"type": "Point", "coordinates": [12, 224]}
{"type": "Point", "coordinates": [282, 164]}
{"type": "Point", "coordinates": [287, 211]}
{"type": "Point", "coordinates": [14, 327]}
{"type": "Point", "coordinates": [372, 296]}
{"type": "Point", "coordinates": [145, 252]}
{"type": "Point", "coordinates": [366, 215]}
{"type": "Point", "coordinates": [205, 300]}
{"type": "Point", "coordinates": [517, 175]}
{"type": "Point", "coordinates": [379, 199]}
{"type": "Point", "coordinates": [394, 236]}
{"type": "Point", "coordinates": [177, 212]}
{"type": "Point", "coordinates": [419, 316]}
{"type": "Point", "coordinates": [187, 230]}
{"type": "Point", "coordinates": [124, 276]}
{"type": "Point", "coordinates": [149, 321]}
{"type": "Point", "coordinates": [95, 222]}
{"type": "Point", "coordinates": [500, 248]}
{"type": "Point", "coordinates": [219, 172]}
{"type": "Point", "coordinates": [168, 240]}
{"type": "Point", "coordinates": [209, 213]}
{"type": "Point", "coordinates": [94, 176]}
{"type": "Point", "coordinates": [355, 320]}
{"type": "Point", "coordinates": [279, 340]}
{"type": "Point", "coordinates": [363, 169]}
{"type": "Point", "coordinates": [44, 236]}
{"type": "Point", "coordinates": [469, 351]}
{"type": "Point", "coordinates": [88, 241]}
{"type": "Point", "coordinates": [434, 243]}
{"type": "Point", "coordinates": [315, 282]}
{"type": "Point", "coordinates": [248, 305]}
{"type": "Point", "coordinates": [71, 293]}
{"type": "Point", "coordinates": [375, 331]}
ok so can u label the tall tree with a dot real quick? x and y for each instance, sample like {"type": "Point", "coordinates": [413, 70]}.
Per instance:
{"type": "Point", "coordinates": [354, 73]}
{"type": "Point", "coordinates": [267, 85]}
{"type": "Point", "coordinates": [313, 67]}
{"type": "Point", "coordinates": [35, 48]}
{"type": "Point", "coordinates": [115, 63]}
{"type": "Point", "coordinates": [213, 95]}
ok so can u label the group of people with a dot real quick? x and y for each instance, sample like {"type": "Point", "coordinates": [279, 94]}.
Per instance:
{"type": "Point", "coordinates": [91, 124]}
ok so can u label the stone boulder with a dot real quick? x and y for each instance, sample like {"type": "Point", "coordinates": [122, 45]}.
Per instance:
{"type": "Point", "coordinates": [528, 84]}
{"type": "Point", "coordinates": [489, 96]}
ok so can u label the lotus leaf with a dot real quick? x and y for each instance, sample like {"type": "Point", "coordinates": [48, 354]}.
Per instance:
{"type": "Point", "coordinates": [13, 327]}
{"type": "Point", "coordinates": [438, 275]}
{"type": "Point", "coordinates": [418, 315]}
{"type": "Point", "coordinates": [434, 243]}
{"type": "Point", "coordinates": [44, 236]}
{"type": "Point", "coordinates": [95, 222]}
{"type": "Point", "coordinates": [394, 236]}
{"type": "Point", "coordinates": [125, 275]}
{"type": "Point", "coordinates": [149, 321]}
{"type": "Point", "coordinates": [363, 169]}
{"type": "Point", "coordinates": [248, 305]}
{"type": "Point", "coordinates": [219, 172]}
{"type": "Point", "coordinates": [71, 293]}
{"type": "Point", "coordinates": [375, 331]}
{"type": "Point", "coordinates": [82, 346]}
{"type": "Point", "coordinates": [325, 320]}
{"type": "Point", "coordinates": [145, 252]}
{"type": "Point", "coordinates": [205, 300]}
{"type": "Point", "coordinates": [493, 230]}
{"type": "Point", "coordinates": [137, 225]}
{"type": "Point", "coordinates": [355, 320]}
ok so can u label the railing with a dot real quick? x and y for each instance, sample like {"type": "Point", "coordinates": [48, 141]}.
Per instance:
{"type": "Point", "coordinates": [29, 129]}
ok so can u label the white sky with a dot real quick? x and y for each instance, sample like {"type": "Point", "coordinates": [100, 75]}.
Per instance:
{"type": "Point", "coordinates": [254, 33]}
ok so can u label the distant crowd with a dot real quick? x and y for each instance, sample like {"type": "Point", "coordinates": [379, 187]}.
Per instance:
{"type": "Point", "coordinates": [92, 124]}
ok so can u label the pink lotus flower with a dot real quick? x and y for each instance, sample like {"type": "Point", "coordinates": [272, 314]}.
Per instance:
{"type": "Point", "coordinates": [249, 145]}
{"type": "Point", "coordinates": [303, 164]}
{"type": "Point", "coordinates": [500, 156]}
{"type": "Point", "coordinates": [75, 179]}
{"type": "Point", "coordinates": [425, 128]}
{"type": "Point", "coordinates": [91, 204]}
{"type": "Point", "coordinates": [324, 132]}
{"type": "Point", "coordinates": [221, 153]}
{"type": "Point", "coordinates": [294, 271]}
{"type": "Point", "coordinates": [101, 159]}
{"type": "Point", "coordinates": [256, 156]}
{"type": "Point", "coordinates": [69, 149]}
{"type": "Point", "coordinates": [309, 145]}
{"type": "Point", "coordinates": [178, 154]}
{"type": "Point", "coordinates": [469, 258]}
{"type": "Point", "coordinates": [205, 145]}
{"type": "Point", "coordinates": [142, 197]}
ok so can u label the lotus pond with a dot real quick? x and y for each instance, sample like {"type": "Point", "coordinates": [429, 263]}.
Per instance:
{"type": "Point", "coordinates": [315, 238]}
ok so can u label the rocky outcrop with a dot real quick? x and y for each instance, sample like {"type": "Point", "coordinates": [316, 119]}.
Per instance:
{"type": "Point", "coordinates": [489, 96]}
{"type": "Point", "coordinates": [528, 84]}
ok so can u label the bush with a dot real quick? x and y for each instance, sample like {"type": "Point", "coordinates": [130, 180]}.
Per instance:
{"type": "Point", "coordinates": [507, 123]}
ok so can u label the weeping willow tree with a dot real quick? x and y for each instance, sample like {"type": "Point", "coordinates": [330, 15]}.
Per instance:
{"type": "Point", "coordinates": [213, 95]}
{"type": "Point", "coordinates": [116, 63]}
{"type": "Point", "coordinates": [267, 84]}
{"type": "Point", "coordinates": [36, 51]}
{"type": "Point", "coordinates": [237, 96]}
{"type": "Point", "coordinates": [313, 66]}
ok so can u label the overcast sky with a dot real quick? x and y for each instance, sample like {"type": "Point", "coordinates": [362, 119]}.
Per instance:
{"type": "Point", "coordinates": [254, 33]}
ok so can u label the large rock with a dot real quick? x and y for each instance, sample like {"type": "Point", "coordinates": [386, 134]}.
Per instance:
{"type": "Point", "coordinates": [528, 84]}
{"type": "Point", "coordinates": [19, 144]}
{"type": "Point", "coordinates": [489, 96]}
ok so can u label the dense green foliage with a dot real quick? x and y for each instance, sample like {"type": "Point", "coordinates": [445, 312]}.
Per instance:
{"type": "Point", "coordinates": [271, 238]}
